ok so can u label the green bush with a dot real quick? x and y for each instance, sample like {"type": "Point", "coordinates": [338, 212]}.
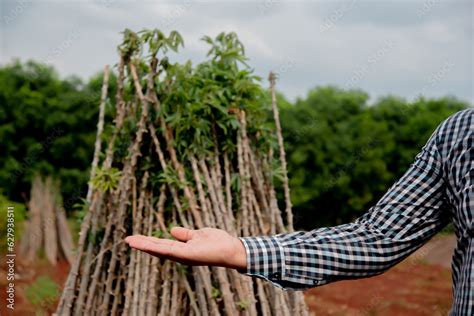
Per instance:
{"type": "Point", "coordinates": [43, 119]}
{"type": "Point", "coordinates": [344, 153]}
{"type": "Point", "coordinates": [43, 293]}
{"type": "Point", "coordinates": [20, 215]}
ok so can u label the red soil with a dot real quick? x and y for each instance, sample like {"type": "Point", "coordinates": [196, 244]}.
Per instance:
{"type": "Point", "coordinates": [420, 285]}
{"type": "Point", "coordinates": [25, 275]}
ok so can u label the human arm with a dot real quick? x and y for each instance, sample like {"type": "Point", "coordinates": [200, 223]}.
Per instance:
{"type": "Point", "coordinates": [411, 212]}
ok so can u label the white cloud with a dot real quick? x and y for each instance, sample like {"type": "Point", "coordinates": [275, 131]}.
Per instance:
{"type": "Point", "coordinates": [278, 35]}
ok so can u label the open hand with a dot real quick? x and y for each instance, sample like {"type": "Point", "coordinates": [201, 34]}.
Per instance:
{"type": "Point", "coordinates": [206, 246]}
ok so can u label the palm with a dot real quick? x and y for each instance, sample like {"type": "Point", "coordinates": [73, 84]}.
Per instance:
{"type": "Point", "coordinates": [207, 246]}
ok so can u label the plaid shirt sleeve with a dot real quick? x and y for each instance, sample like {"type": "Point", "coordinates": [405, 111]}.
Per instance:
{"type": "Point", "coordinates": [411, 212]}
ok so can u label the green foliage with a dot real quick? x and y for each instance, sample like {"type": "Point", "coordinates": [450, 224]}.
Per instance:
{"type": "Point", "coordinates": [169, 175]}
{"type": "Point", "coordinates": [170, 226]}
{"type": "Point", "coordinates": [156, 40]}
{"type": "Point", "coordinates": [344, 154]}
{"type": "Point", "coordinates": [215, 293]}
{"type": "Point", "coordinates": [198, 102]}
{"type": "Point", "coordinates": [19, 218]}
{"type": "Point", "coordinates": [242, 305]}
{"type": "Point", "coordinates": [182, 269]}
{"type": "Point", "coordinates": [80, 209]}
{"type": "Point", "coordinates": [106, 180]}
{"type": "Point", "coordinates": [158, 233]}
{"type": "Point", "coordinates": [47, 126]}
{"type": "Point", "coordinates": [43, 293]}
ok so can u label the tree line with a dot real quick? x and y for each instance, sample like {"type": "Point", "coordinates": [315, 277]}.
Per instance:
{"type": "Point", "coordinates": [343, 150]}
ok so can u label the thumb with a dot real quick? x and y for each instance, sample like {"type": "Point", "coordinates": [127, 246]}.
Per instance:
{"type": "Point", "coordinates": [182, 234]}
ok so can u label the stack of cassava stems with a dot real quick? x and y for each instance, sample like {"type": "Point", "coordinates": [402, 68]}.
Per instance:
{"type": "Point", "coordinates": [110, 279]}
{"type": "Point", "coordinates": [46, 229]}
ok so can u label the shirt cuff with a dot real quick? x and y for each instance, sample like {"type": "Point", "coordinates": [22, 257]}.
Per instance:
{"type": "Point", "coordinates": [265, 257]}
{"type": "Point", "coordinates": [268, 259]}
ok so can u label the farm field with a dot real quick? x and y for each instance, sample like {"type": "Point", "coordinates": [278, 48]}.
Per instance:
{"type": "Point", "coordinates": [156, 158]}
{"type": "Point", "coordinates": [420, 285]}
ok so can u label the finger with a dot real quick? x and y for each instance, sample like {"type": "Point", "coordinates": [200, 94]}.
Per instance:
{"type": "Point", "coordinates": [172, 249]}
{"type": "Point", "coordinates": [134, 241]}
{"type": "Point", "coordinates": [134, 238]}
{"type": "Point", "coordinates": [182, 233]}
{"type": "Point", "coordinates": [160, 241]}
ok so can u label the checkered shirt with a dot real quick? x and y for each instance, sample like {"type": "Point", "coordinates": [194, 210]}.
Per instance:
{"type": "Point", "coordinates": [436, 189]}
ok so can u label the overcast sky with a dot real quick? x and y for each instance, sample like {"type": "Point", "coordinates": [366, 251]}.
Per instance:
{"type": "Point", "coordinates": [402, 48]}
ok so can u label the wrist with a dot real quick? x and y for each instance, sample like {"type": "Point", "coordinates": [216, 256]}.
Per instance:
{"type": "Point", "coordinates": [239, 260]}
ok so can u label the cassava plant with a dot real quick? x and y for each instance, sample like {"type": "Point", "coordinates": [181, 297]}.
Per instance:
{"type": "Point", "coordinates": [190, 145]}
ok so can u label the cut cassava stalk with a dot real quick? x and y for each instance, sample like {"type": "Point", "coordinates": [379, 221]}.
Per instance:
{"type": "Point", "coordinates": [68, 293]}
{"type": "Point", "coordinates": [95, 162]}
{"type": "Point", "coordinates": [265, 306]}
{"type": "Point", "coordinates": [286, 186]}
{"type": "Point", "coordinates": [191, 296]}
{"type": "Point", "coordinates": [228, 193]}
{"type": "Point", "coordinates": [188, 147]}
{"type": "Point", "coordinates": [100, 128]}
{"type": "Point", "coordinates": [125, 182]}
{"type": "Point", "coordinates": [244, 180]}
{"type": "Point", "coordinates": [146, 262]}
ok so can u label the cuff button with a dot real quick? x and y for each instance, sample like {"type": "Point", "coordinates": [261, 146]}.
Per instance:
{"type": "Point", "coordinates": [315, 282]}
{"type": "Point", "coordinates": [276, 275]}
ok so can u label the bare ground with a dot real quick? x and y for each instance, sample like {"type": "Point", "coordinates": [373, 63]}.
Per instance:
{"type": "Point", "coordinates": [420, 285]}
